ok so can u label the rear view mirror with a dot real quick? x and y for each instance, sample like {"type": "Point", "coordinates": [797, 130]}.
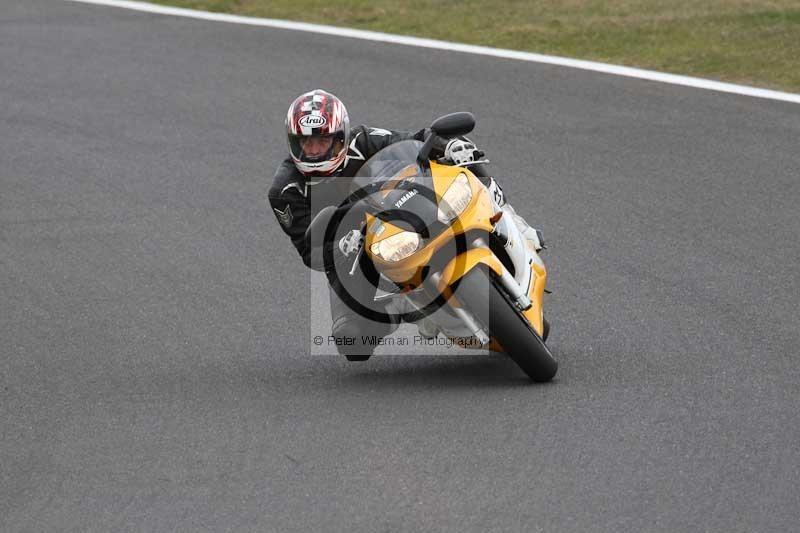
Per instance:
{"type": "Point", "coordinates": [454, 124]}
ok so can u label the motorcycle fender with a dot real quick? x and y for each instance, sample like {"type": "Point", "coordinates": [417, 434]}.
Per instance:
{"type": "Point", "coordinates": [465, 262]}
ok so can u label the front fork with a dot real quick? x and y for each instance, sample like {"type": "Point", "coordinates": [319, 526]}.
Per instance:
{"type": "Point", "coordinates": [507, 281]}
{"type": "Point", "coordinates": [465, 316]}
{"type": "Point", "coordinates": [479, 254]}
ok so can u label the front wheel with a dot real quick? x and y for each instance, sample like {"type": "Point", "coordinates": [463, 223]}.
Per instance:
{"type": "Point", "coordinates": [479, 294]}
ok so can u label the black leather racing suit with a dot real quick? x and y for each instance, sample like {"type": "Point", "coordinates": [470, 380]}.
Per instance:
{"type": "Point", "coordinates": [290, 198]}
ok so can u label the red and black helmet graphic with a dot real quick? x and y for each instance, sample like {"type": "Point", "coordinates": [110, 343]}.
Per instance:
{"type": "Point", "coordinates": [318, 131]}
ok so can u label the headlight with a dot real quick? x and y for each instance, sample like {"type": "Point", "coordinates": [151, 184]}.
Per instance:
{"type": "Point", "coordinates": [455, 199]}
{"type": "Point", "coordinates": [397, 247]}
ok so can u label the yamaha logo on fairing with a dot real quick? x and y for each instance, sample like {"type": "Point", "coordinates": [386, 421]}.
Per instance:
{"type": "Point", "coordinates": [312, 121]}
{"type": "Point", "coordinates": [406, 197]}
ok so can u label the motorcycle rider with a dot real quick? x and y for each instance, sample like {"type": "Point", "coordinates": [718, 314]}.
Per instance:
{"type": "Point", "coordinates": [323, 147]}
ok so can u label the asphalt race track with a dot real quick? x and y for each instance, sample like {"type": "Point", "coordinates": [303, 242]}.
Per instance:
{"type": "Point", "coordinates": [155, 371]}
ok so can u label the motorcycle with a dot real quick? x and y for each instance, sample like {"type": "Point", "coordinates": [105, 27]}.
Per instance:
{"type": "Point", "coordinates": [438, 240]}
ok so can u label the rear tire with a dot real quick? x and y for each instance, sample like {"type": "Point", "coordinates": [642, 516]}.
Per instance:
{"type": "Point", "coordinates": [479, 293]}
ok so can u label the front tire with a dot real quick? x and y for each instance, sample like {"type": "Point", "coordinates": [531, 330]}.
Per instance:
{"type": "Point", "coordinates": [479, 293]}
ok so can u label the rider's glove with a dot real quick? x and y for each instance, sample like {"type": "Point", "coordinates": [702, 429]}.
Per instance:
{"type": "Point", "coordinates": [351, 242]}
{"type": "Point", "coordinates": [462, 151]}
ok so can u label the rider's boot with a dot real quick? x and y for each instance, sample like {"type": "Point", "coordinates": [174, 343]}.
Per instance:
{"type": "Point", "coordinates": [427, 328]}
{"type": "Point", "coordinates": [532, 235]}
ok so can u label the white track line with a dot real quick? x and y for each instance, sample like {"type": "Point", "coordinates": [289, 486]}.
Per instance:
{"type": "Point", "coordinates": [605, 68]}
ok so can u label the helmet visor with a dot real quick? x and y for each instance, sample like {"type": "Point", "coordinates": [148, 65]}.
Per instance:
{"type": "Point", "coordinates": [316, 148]}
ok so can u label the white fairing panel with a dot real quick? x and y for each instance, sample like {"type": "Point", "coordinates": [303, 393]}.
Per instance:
{"type": "Point", "coordinates": [520, 253]}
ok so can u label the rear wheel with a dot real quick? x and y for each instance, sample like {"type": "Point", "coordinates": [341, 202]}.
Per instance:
{"type": "Point", "coordinates": [479, 293]}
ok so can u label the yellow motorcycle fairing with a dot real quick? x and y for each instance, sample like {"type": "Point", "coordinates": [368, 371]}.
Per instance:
{"type": "Point", "coordinates": [477, 215]}
{"type": "Point", "coordinates": [474, 217]}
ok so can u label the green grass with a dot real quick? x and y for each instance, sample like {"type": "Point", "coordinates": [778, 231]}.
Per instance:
{"type": "Point", "coordinates": [755, 42]}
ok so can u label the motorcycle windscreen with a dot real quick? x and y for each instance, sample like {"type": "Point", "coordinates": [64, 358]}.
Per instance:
{"type": "Point", "coordinates": [396, 159]}
{"type": "Point", "coordinates": [398, 190]}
